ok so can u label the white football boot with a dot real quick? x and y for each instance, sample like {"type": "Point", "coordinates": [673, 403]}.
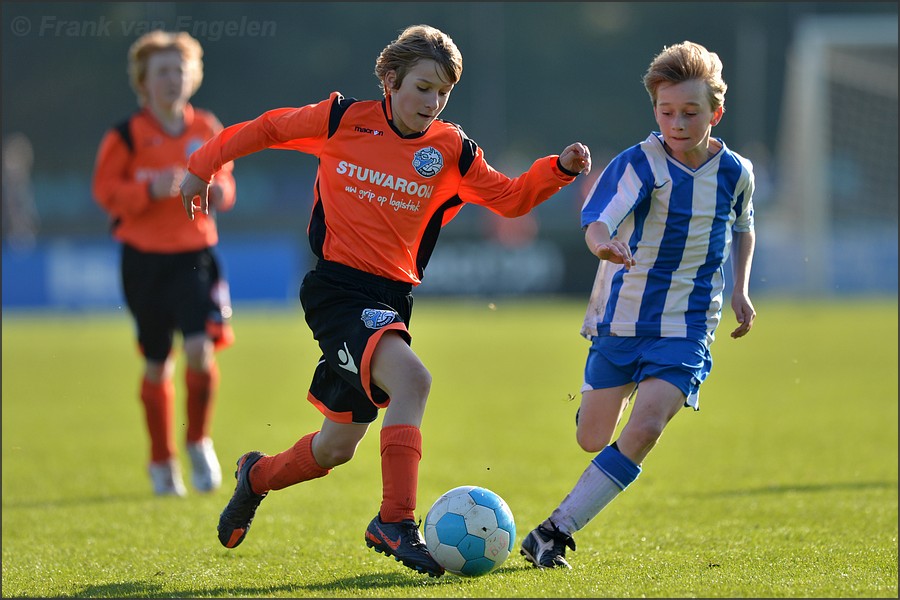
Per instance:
{"type": "Point", "coordinates": [166, 478]}
{"type": "Point", "coordinates": [206, 472]}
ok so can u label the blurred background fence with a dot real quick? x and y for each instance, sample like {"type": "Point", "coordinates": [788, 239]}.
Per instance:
{"type": "Point", "coordinates": [812, 101]}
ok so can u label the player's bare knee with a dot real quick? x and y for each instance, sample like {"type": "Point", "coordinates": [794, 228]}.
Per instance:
{"type": "Point", "coordinates": [645, 434]}
{"type": "Point", "coordinates": [590, 441]}
{"type": "Point", "coordinates": [418, 383]}
{"type": "Point", "coordinates": [198, 352]}
{"type": "Point", "coordinates": [159, 371]}
{"type": "Point", "coordinates": [332, 456]}
{"type": "Point", "coordinates": [591, 445]}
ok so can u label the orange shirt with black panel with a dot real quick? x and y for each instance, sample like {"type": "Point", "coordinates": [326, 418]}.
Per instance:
{"type": "Point", "coordinates": [381, 198]}
{"type": "Point", "coordinates": [129, 157]}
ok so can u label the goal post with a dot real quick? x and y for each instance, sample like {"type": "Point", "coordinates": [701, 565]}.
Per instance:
{"type": "Point", "coordinates": [837, 153]}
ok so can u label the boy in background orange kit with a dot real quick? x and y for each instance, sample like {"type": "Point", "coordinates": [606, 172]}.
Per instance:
{"type": "Point", "coordinates": [390, 175]}
{"type": "Point", "coordinates": [170, 272]}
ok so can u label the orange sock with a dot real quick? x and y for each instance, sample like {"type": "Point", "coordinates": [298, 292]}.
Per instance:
{"type": "Point", "coordinates": [159, 401]}
{"type": "Point", "coordinates": [294, 465]}
{"type": "Point", "coordinates": [201, 394]}
{"type": "Point", "coordinates": [401, 451]}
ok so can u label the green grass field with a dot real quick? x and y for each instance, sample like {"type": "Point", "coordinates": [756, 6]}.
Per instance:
{"type": "Point", "coordinates": [783, 485]}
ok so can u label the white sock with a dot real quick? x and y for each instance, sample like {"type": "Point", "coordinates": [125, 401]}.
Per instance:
{"type": "Point", "coordinates": [607, 475]}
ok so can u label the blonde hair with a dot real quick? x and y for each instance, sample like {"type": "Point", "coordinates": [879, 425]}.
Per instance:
{"type": "Point", "coordinates": [159, 41]}
{"type": "Point", "coordinates": [415, 43]}
{"type": "Point", "coordinates": [684, 62]}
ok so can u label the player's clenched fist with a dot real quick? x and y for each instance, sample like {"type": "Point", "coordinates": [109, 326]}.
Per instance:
{"type": "Point", "coordinates": [576, 158]}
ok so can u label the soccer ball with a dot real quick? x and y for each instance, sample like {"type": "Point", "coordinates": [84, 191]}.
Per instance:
{"type": "Point", "coordinates": [470, 531]}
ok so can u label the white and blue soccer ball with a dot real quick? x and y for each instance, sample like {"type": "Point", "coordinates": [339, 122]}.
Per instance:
{"type": "Point", "coordinates": [470, 531]}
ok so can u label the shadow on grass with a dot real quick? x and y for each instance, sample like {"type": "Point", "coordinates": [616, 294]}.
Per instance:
{"type": "Point", "coordinates": [347, 586]}
{"type": "Point", "coordinates": [344, 587]}
{"type": "Point", "coordinates": [148, 589]}
{"type": "Point", "coordinates": [374, 581]}
{"type": "Point", "coordinates": [812, 488]}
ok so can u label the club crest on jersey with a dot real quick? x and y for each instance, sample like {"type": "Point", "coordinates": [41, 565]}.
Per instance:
{"type": "Point", "coordinates": [428, 162]}
{"type": "Point", "coordinates": [375, 318]}
{"type": "Point", "coordinates": [192, 145]}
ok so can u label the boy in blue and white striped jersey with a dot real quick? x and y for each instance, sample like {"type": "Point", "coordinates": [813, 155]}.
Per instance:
{"type": "Point", "coordinates": [663, 218]}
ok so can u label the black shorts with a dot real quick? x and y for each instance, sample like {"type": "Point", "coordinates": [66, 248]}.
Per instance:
{"type": "Point", "coordinates": [348, 311]}
{"type": "Point", "coordinates": [169, 292]}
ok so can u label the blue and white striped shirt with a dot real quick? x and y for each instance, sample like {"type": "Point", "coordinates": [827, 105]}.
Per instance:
{"type": "Point", "coordinates": [678, 223]}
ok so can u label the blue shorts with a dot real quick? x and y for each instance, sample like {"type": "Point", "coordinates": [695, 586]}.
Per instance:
{"type": "Point", "coordinates": [615, 360]}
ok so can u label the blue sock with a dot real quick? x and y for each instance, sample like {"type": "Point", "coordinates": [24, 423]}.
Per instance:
{"type": "Point", "coordinates": [617, 466]}
{"type": "Point", "coordinates": [605, 477]}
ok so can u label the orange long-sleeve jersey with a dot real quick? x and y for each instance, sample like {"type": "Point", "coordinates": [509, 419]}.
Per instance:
{"type": "Point", "coordinates": [381, 198]}
{"type": "Point", "coordinates": [130, 155]}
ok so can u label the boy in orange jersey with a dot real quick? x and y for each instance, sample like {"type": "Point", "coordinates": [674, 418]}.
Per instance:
{"type": "Point", "coordinates": [390, 175]}
{"type": "Point", "coordinates": [170, 273]}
